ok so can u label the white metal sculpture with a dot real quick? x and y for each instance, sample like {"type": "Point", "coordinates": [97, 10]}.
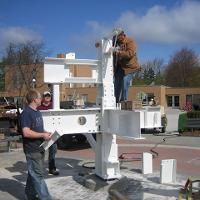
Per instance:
{"type": "Point", "coordinates": [106, 120]}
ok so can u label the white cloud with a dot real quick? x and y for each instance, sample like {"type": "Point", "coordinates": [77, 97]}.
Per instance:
{"type": "Point", "coordinates": [85, 44]}
{"type": "Point", "coordinates": [181, 24]}
{"type": "Point", "coordinates": [178, 24]}
{"type": "Point", "coordinates": [17, 35]}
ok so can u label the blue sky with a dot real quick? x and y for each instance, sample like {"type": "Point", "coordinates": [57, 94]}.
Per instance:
{"type": "Point", "coordinates": [159, 27]}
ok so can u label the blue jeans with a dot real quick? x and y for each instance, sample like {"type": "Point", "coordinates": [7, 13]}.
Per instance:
{"type": "Point", "coordinates": [52, 155]}
{"type": "Point", "coordinates": [122, 83]}
{"type": "Point", "coordinates": [35, 184]}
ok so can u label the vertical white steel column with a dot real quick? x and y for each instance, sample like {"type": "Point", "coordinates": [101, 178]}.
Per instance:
{"type": "Point", "coordinates": [106, 159]}
{"type": "Point", "coordinates": [56, 97]}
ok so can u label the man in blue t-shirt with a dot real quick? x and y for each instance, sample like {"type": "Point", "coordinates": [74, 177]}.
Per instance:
{"type": "Point", "coordinates": [33, 136]}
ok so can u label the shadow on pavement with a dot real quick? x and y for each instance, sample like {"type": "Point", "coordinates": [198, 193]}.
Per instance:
{"type": "Point", "coordinates": [75, 146]}
{"type": "Point", "coordinates": [19, 167]}
{"type": "Point", "coordinates": [13, 187]}
{"type": "Point", "coordinates": [140, 189]}
{"type": "Point", "coordinates": [17, 173]}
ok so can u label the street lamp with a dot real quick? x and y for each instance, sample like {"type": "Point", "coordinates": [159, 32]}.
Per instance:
{"type": "Point", "coordinates": [33, 83]}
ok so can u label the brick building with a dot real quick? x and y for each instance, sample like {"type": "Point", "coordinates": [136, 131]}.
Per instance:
{"type": "Point", "coordinates": [163, 95]}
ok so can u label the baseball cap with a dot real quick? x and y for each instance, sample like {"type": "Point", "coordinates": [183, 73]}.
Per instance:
{"type": "Point", "coordinates": [117, 31]}
{"type": "Point", "coordinates": [46, 93]}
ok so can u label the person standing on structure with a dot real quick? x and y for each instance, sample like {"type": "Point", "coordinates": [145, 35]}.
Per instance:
{"type": "Point", "coordinates": [125, 63]}
{"type": "Point", "coordinates": [45, 105]}
{"type": "Point", "coordinates": [33, 136]}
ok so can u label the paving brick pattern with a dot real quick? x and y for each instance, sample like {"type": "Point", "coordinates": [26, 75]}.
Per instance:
{"type": "Point", "coordinates": [71, 184]}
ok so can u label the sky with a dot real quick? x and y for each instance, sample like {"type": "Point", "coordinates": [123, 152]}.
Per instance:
{"type": "Point", "coordinates": [159, 27]}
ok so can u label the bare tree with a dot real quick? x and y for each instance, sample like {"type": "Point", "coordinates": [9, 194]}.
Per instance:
{"type": "Point", "coordinates": [156, 65]}
{"type": "Point", "coordinates": [23, 62]}
{"type": "Point", "coordinates": [152, 71]}
{"type": "Point", "coordinates": [183, 69]}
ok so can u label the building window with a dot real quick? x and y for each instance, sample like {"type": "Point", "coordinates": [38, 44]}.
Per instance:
{"type": "Point", "coordinates": [169, 101]}
{"type": "Point", "coordinates": [69, 98]}
{"type": "Point", "coordinates": [176, 101]}
{"type": "Point", "coordinates": [173, 101]}
{"type": "Point", "coordinates": [85, 98]}
{"type": "Point", "coordinates": [2, 78]}
{"type": "Point", "coordinates": [188, 98]}
{"type": "Point", "coordinates": [150, 96]}
{"type": "Point", "coordinates": [91, 85]}
{"type": "Point", "coordinates": [146, 98]}
{"type": "Point", "coordinates": [194, 100]}
{"type": "Point", "coordinates": [71, 85]}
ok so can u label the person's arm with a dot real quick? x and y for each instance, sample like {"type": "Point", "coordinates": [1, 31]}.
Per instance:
{"type": "Point", "coordinates": [130, 50]}
{"type": "Point", "coordinates": [28, 133]}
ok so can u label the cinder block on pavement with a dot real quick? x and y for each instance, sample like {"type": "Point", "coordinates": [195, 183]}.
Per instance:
{"type": "Point", "coordinates": [147, 164]}
{"type": "Point", "coordinates": [2, 136]}
{"type": "Point", "coordinates": [168, 171]}
{"type": "Point", "coordinates": [116, 195]}
{"type": "Point", "coordinates": [4, 147]}
{"type": "Point", "coordinates": [93, 182]}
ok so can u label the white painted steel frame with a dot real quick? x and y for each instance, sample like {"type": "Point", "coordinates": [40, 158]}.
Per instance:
{"type": "Point", "coordinates": [67, 121]}
{"type": "Point", "coordinates": [114, 122]}
{"type": "Point", "coordinates": [123, 123]}
{"type": "Point", "coordinates": [106, 120]}
{"type": "Point", "coordinates": [150, 117]}
{"type": "Point", "coordinates": [57, 70]}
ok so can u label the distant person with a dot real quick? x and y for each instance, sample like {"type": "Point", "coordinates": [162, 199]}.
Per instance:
{"type": "Point", "coordinates": [152, 102]}
{"type": "Point", "coordinates": [33, 136]}
{"type": "Point", "coordinates": [125, 64]}
{"type": "Point", "coordinates": [45, 105]}
{"type": "Point", "coordinates": [188, 106]}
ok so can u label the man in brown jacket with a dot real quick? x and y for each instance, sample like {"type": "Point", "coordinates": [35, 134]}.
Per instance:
{"type": "Point", "coordinates": [125, 64]}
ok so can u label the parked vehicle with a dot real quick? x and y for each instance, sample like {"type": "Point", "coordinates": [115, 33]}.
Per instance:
{"type": "Point", "coordinates": [68, 139]}
{"type": "Point", "coordinates": [7, 103]}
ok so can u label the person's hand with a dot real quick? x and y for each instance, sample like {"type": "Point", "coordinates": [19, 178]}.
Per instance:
{"type": "Point", "coordinates": [47, 136]}
{"type": "Point", "coordinates": [97, 44]}
{"type": "Point", "coordinates": [115, 49]}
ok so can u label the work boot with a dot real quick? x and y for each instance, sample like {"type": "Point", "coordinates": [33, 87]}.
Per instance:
{"type": "Point", "coordinates": [54, 172]}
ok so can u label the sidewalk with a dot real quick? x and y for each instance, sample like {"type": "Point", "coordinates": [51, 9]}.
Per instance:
{"type": "Point", "coordinates": [74, 180]}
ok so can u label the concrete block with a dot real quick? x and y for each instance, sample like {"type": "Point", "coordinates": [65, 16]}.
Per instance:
{"type": "Point", "coordinates": [147, 164]}
{"type": "Point", "coordinates": [2, 136]}
{"type": "Point", "coordinates": [116, 195]}
{"type": "Point", "coordinates": [93, 182]}
{"type": "Point", "coordinates": [4, 147]}
{"type": "Point", "coordinates": [168, 171]}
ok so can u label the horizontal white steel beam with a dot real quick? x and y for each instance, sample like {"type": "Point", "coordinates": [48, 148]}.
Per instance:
{"type": "Point", "coordinates": [71, 121]}
{"type": "Point", "coordinates": [122, 123]}
{"type": "Point", "coordinates": [150, 117]}
{"type": "Point", "coordinates": [80, 80]}
{"type": "Point", "coordinates": [51, 60]}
